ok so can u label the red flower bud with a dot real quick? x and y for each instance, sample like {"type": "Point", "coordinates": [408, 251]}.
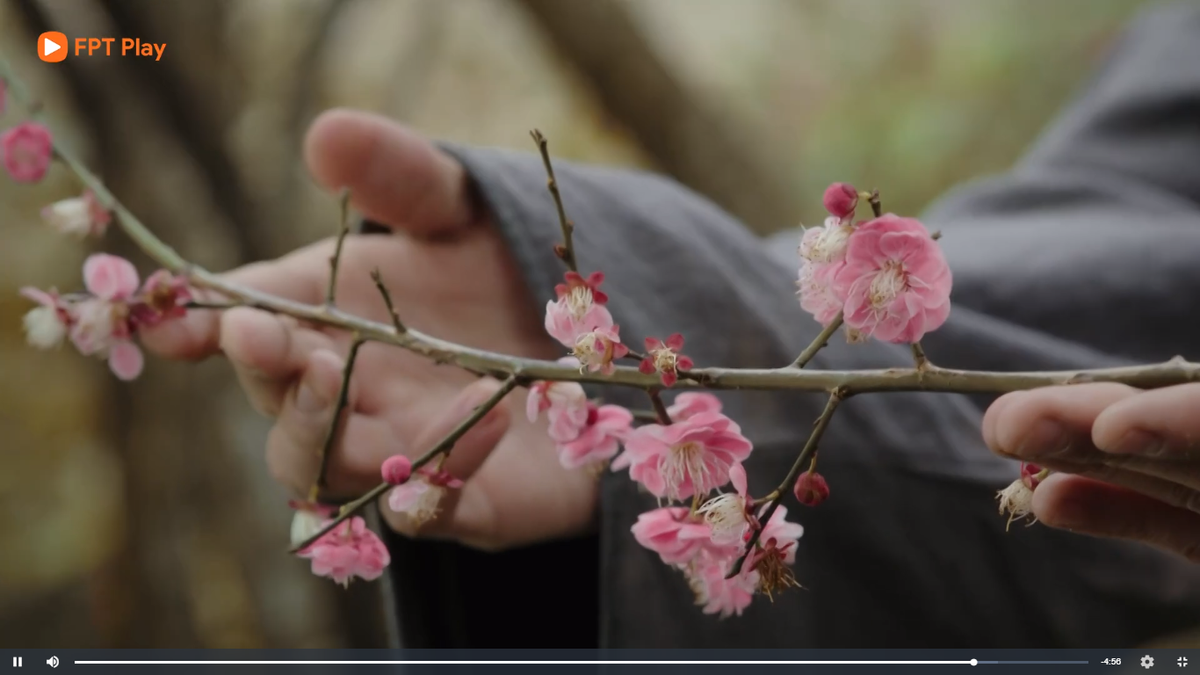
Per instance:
{"type": "Point", "coordinates": [811, 488]}
{"type": "Point", "coordinates": [1029, 475]}
{"type": "Point", "coordinates": [840, 200]}
{"type": "Point", "coordinates": [397, 469]}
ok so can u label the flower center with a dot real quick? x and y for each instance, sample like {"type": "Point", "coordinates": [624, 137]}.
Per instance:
{"type": "Point", "coordinates": [664, 360]}
{"type": "Point", "coordinates": [726, 515]}
{"type": "Point", "coordinates": [889, 282]}
{"type": "Point", "coordinates": [427, 504]}
{"type": "Point", "coordinates": [579, 301]}
{"type": "Point", "coordinates": [587, 352]}
{"type": "Point", "coordinates": [685, 462]}
{"type": "Point", "coordinates": [773, 572]}
{"type": "Point", "coordinates": [831, 245]}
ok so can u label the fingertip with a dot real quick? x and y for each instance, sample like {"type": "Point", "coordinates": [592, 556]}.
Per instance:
{"type": "Point", "coordinates": [1062, 500]}
{"type": "Point", "coordinates": [190, 338]}
{"type": "Point", "coordinates": [395, 176]}
{"type": "Point", "coordinates": [1020, 423]}
{"type": "Point", "coordinates": [994, 413]}
{"type": "Point", "coordinates": [257, 341]}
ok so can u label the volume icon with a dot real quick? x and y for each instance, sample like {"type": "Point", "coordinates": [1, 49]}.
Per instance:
{"type": "Point", "coordinates": [52, 661]}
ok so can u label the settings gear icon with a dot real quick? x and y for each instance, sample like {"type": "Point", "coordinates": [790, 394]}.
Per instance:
{"type": "Point", "coordinates": [1147, 661]}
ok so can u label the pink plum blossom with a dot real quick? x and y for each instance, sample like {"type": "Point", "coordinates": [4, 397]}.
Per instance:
{"type": "Point", "coordinates": [677, 536]}
{"type": "Point", "coordinates": [349, 550]}
{"type": "Point", "coordinates": [419, 500]}
{"type": "Point", "coordinates": [785, 534]}
{"type": "Point", "coordinates": [579, 309]}
{"type": "Point", "coordinates": [597, 350]}
{"type": "Point", "coordinates": [664, 357]}
{"type": "Point", "coordinates": [28, 149]}
{"type": "Point", "coordinates": [815, 286]}
{"type": "Point", "coordinates": [109, 277]}
{"type": "Point", "coordinates": [691, 403]}
{"type": "Point", "coordinates": [565, 405]}
{"type": "Point", "coordinates": [46, 325]}
{"type": "Point", "coordinates": [822, 256]}
{"type": "Point", "coordinates": [721, 596]}
{"type": "Point", "coordinates": [895, 280]}
{"type": "Point", "coordinates": [727, 515]}
{"type": "Point", "coordinates": [164, 296]}
{"type": "Point", "coordinates": [774, 554]}
{"type": "Point", "coordinates": [840, 200]}
{"type": "Point", "coordinates": [104, 321]}
{"type": "Point", "coordinates": [692, 456]}
{"type": "Point", "coordinates": [396, 470]}
{"type": "Point", "coordinates": [826, 243]}
{"type": "Point", "coordinates": [80, 216]}
{"type": "Point", "coordinates": [599, 439]}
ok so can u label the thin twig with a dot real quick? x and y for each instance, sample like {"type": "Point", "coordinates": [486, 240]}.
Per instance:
{"type": "Point", "coordinates": [820, 341]}
{"type": "Point", "coordinates": [567, 252]}
{"type": "Point", "coordinates": [876, 205]}
{"type": "Point", "coordinates": [777, 495]}
{"type": "Point", "coordinates": [919, 357]}
{"type": "Point", "coordinates": [336, 259]}
{"type": "Point", "coordinates": [387, 300]}
{"type": "Point", "coordinates": [211, 305]}
{"type": "Point", "coordinates": [645, 416]}
{"type": "Point", "coordinates": [335, 424]}
{"type": "Point", "coordinates": [660, 410]}
{"type": "Point", "coordinates": [443, 445]}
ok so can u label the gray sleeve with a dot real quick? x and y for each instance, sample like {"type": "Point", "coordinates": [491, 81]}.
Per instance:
{"type": "Point", "coordinates": [1083, 256]}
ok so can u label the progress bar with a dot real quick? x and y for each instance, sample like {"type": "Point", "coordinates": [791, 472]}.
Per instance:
{"type": "Point", "coordinates": [971, 662]}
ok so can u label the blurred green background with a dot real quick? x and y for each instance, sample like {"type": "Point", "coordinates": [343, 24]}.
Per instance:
{"type": "Point", "coordinates": [142, 515]}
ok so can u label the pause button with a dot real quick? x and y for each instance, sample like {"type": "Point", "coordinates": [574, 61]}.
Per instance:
{"type": "Point", "coordinates": [18, 661]}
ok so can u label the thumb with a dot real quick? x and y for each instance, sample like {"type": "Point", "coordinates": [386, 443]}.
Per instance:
{"type": "Point", "coordinates": [463, 461]}
{"type": "Point", "coordinates": [395, 176]}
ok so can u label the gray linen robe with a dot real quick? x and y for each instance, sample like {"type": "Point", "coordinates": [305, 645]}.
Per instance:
{"type": "Point", "coordinates": [1087, 254]}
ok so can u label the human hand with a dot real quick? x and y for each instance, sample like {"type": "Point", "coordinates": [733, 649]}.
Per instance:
{"type": "Point", "coordinates": [451, 276]}
{"type": "Point", "coordinates": [1129, 460]}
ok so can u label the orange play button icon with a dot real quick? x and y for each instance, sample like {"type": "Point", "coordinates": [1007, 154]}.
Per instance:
{"type": "Point", "coordinates": [52, 46]}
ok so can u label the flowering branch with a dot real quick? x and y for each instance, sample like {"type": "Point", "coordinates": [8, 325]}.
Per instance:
{"type": "Point", "coordinates": [818, 342]}
{"type": "Point", "coordinates": [567, 252]}
{"type": "Point", "coordinates": [660, 410]}
{"type": "Point", "coordinates": [387, 301]}
{"type": "Point", "coordinates": [776, 496]}
{"type": "Point", "coordinates": [336, 259]}
{"type": "Point", "coordinates": [335, 424]}
{"type": "Point", "coordinates": [919, 357]}
{"type": "Point", "coordinates": [442, 446]}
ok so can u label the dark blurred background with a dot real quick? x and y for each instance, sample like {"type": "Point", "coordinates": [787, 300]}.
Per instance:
{"type": "Point", "coordinates": [142, 515]}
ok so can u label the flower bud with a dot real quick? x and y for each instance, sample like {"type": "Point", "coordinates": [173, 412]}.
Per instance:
{"type": "Point", "coordinates": [840, 200]}
{"type": "Point", "coordinates": [397, 469]}
{"type": "Point", "coordinates": [811, 489]}
{"type": "Point", "coordinates": [1030, 475]}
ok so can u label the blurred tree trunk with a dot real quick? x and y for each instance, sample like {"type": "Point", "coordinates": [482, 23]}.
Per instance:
{"type": "Point", "coordinates": [201, 565]}
{"type": "Point", "coordinates": [687, 136]}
